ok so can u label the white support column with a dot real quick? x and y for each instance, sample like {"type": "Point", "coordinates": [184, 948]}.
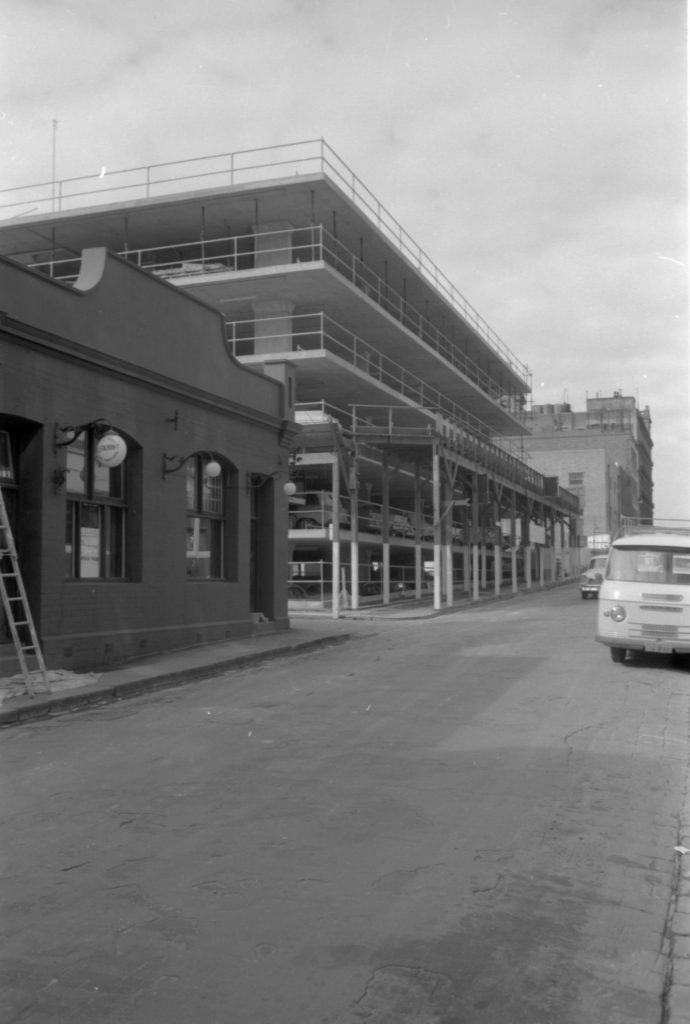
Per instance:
{"type": "Point", "coordinates": [513, 569]}
{"type": "Point", "coordinates": [353, 491]}
{"type": "Point", "coordinates": [273, 329]}
{"type": "Point", "coordinates": [386, 571]}
{"type": "Point", "coordinates": [273, 243]}
{"type": "Point", "coordinates": [354, 573]}
{"type": "Point", "coordinates": [498, 569]}
{"type": "Point", "coordinates": [418, 569]}
{"type": "Point", "coordinates": [436, 492]}
{"type": "Point", "coordinates": [449, 566]}
{"type": "Point", "coordinates": [386, 532]}
{"type": "Point", "coordinates": [335, 546]}
{"type": "Point", "coordinates": [528, 566]}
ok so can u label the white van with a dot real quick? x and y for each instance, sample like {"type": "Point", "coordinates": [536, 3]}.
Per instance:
{"type": "Point", "coordinates": [644, 598]}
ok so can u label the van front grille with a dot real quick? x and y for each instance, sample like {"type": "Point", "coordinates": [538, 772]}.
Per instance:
{"type": "Point", "coordinates": [651, 631]}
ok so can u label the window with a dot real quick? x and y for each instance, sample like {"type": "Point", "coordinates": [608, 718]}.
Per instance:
{"type": "Point", "coordinates": [205, 520]}
{"type": "Point", "coordinates": [96, 514]}
{"type": "Point", "coordinates": [6, 462]}
{"type": "Point", "coordinates": [650, 565]}
{"type": "Point", "coordinates": [576, 479]}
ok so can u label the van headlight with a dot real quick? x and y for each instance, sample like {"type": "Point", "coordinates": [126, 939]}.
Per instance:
{"type": "Point", "coordinates": [617, 613]}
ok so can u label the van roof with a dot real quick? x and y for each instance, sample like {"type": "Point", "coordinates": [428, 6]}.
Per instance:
{"type": "Point", "coordinates": [661, 529]}
{"type": "Point", "coordinates": [654, 539]}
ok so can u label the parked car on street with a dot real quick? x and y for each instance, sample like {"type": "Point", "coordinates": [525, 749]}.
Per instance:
{"type": "Point", "coordinates": [591, 579]}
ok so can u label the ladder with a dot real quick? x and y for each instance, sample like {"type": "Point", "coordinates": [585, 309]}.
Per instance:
{"type": "Point", "coordinates": [16, 605]}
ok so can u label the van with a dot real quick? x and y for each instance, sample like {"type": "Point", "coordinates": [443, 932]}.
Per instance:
{"type": "Point", "coordinates": [644, 597]}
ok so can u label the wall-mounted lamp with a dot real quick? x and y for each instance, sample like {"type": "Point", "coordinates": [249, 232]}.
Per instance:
{"type": "Point", "coordinates": [256, 480]}
{"type": "Point", "coordinates": [65, 436]}
{"type": "Point", "coordinates": [110, 449]}
{"type": "Point", "coordinates": [172, 463]}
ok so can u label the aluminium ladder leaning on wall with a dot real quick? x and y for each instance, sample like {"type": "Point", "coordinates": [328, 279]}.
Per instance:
{"type": "Point", "coordinates": [16, 605]}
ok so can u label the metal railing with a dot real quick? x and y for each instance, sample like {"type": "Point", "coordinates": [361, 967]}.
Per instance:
{"type": "Point", "coordinates": [310, 157]}
{"type": "Point", "coordinates": [316, 332]}
{"type": "Point", "coordinates": [385, 421]}
{"type": "Point", "coordinates": [314, 510]}
{"type": "Point", "coordinates": [311, 244]}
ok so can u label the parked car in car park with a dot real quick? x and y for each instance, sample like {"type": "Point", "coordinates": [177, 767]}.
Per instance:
{"type": "Point", "coordinates": [313, 510]}
{"type": "Point", "coordinates": [591, 579]}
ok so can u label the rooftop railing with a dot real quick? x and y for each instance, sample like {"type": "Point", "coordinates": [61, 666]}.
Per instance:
{"type": "Point", "coordinates": [311, 157]}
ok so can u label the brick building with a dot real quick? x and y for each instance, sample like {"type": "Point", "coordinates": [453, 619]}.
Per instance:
{"type": "Point", "coordinates": [184, 541]}
{"type": "Point", "coordinates": [602, 453]}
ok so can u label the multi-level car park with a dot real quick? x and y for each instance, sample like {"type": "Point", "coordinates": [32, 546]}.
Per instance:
{"type": "Point", "coordinates": [403, 390]}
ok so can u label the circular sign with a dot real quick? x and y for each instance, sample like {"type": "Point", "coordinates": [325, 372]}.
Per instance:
{"type": "Point", "coordinates": [111, 450]}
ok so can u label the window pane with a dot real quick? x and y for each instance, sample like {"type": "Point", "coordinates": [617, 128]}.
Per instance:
{"type": "Point", "coordinates": [204, 547]}
{"type": "Point", "coordinates": [76, 467]}
{"type": "Point", "coordinates": [90, 541]}
{"type": "Point", "coordinates": [70, 567]}
{"type": "Point", "coordinates": [197, 550]}
{"type": "Point", "coordinates": [216, 532]}
{"type": "Point", "coordinates": [212, 495]}
{"type": "Point", "coordinates": [114, 542]}
{"type": "Point", "coordinates": [6, 467]}
{"type": "Point", "coordinates": [107, 481]}
{"type": "Point", "coordinates": [191, 486]}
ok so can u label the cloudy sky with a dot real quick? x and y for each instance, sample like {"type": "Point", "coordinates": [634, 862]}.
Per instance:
{"type": "Point", "coordinates": [536, 149]}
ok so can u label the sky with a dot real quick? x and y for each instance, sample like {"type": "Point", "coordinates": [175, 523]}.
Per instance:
{"type": "Point", "coordinates": [535, 149]}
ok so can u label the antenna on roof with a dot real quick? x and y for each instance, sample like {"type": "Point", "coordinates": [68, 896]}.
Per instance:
{"type": "Point", "coordinates": [55, 124]}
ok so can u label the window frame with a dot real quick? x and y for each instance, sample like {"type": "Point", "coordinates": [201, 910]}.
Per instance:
{"type": "Point", "coordinates": [96, 516]}
{"type": "Point", "coordinates": [206, 518]}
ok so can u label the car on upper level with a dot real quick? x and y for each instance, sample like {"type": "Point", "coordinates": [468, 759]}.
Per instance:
{"type": "Point", "coordinates": [313, 510]}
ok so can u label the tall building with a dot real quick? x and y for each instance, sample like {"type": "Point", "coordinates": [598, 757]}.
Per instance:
{"type": "Point", "coordinates": [401, 387]}
{"type": "Point", "coordinates": [602, 454]}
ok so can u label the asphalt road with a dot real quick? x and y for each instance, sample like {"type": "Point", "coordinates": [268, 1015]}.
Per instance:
{"type": "Point", "coordinates": [464, 820]}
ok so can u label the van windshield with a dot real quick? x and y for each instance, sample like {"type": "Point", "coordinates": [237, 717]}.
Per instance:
{"type": "Point", "coordinates": [646, 564]}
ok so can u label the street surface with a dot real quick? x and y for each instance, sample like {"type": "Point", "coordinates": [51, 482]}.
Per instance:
{"type": "Point", "coordinates": [464, 820]}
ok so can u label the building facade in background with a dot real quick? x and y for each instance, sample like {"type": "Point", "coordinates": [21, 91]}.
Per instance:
{"type": "Point", "coordinates": [400, 387]}
{"type": "Point", "coordinates": [602, 454]}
